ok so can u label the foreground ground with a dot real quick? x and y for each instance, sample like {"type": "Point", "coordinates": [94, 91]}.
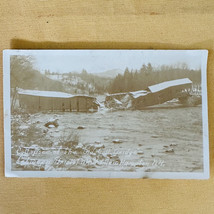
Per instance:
{"type": "Point", "coordinates": [167, 139]}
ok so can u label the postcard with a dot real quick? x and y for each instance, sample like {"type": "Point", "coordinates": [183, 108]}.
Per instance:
{"type": "Point", "coordinates": [106, 113]}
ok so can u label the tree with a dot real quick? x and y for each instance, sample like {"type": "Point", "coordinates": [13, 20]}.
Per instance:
{"type": "Point", "coordinates": [84, 73]}
{"type": "Point", "coordinates": [184, 66]}
{"type": "Point", "coordinates": [20, 66]}
{"type": "Point", "coordinates": [149, 68]}
{"type": "Point", "coordinates": [47, 72]}
{"type": "Point", "coordinates": [25, 76]}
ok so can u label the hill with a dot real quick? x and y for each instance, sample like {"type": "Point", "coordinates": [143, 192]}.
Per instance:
{"type": "Point", "coordinates": [82, 83]}
{"type": "Point", "coordinates": [23, 75]}
{"type": "Point", "coordinates": [110, 73]}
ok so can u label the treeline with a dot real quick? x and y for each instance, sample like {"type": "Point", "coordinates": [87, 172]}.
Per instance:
{"type": "Point", "coordinates": [24, 75]}
{"type": "Point", "coordinates": [133, 80]}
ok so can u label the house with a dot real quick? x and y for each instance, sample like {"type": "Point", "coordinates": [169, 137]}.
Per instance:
{"type": "Point", "coordinates": [55, 101]}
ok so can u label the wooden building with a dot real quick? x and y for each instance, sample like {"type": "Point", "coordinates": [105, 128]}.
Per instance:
{"type": "Point", "coordinates": [160, 93]}
{"type": "Point", "coordinates": [153, 95]}
{"type": "Point", "coordinates": [56, 101]}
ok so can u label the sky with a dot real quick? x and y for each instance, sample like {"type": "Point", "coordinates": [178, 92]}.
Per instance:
{"type": "Point", "coordinates": [95, 61]}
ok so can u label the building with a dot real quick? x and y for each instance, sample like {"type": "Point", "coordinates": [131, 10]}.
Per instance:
{"type": "Point", "coordinates": [56, 101]}
{"type": "Point", "coordinates": [153, 95]}
{"type": "Point", "coordinates": [160, 93]}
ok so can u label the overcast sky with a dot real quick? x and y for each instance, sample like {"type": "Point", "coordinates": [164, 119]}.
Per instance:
{"type": "Point", "coordinates": [94, 61]}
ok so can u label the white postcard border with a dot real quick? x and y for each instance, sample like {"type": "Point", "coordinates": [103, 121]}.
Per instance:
{"type": "Point", "coordinates": [100, 174]}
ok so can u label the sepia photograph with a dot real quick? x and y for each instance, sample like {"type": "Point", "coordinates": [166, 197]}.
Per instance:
{"type": "Point", "coordinates": [106, 113]}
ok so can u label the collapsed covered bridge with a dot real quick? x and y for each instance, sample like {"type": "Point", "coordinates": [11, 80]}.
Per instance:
{"type": "Point", "coordinates": [56, 101]}
{"type": "Point", "coordinates": [153, 95]}
{"type": "Point", "coordinates": [161, 93]}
